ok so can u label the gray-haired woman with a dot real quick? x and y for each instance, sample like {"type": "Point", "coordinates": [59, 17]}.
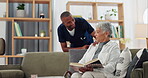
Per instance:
{"type": "Point", "coordinates": [106, 51]}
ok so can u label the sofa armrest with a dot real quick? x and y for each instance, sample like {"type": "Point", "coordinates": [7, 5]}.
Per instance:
{"type": "Point", "coordinates": [145, 69]}
{"type": "Point", "coordinates": [8, 67]}
{"type": "Point", "coordinates": [137, 73]}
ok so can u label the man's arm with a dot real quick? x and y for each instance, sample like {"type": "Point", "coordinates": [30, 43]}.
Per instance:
{"type": "Point", "coordinates": [93, 34]}
{"type": "Point", "coordinates": [65, 48]}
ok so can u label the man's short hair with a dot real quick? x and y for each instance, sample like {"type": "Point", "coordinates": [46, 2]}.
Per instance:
{"type": "Point", "coordinates": [65, 14]}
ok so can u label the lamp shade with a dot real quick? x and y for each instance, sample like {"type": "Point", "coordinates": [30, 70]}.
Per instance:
{"type": "Point", "coordinates": [141, 31]}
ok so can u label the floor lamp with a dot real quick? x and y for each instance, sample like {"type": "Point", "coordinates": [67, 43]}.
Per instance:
{"type": "Point", "coordinates": [142, 32]}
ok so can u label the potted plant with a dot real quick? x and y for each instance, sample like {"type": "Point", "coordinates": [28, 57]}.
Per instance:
{"type": "Point", "coordinates": [20, 10]}
{"type": "Point", "coordinates": [114, 12]}
{"type": "Point", "coordinates": [42, 33]}
{"type": "Point", "coordinates": [101, 17]}
{"type": "Point", "coordinates": [109, 14]}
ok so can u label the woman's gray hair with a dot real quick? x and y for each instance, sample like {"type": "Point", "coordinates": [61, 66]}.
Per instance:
{"type": "Point", "coordinates": [105, 27]}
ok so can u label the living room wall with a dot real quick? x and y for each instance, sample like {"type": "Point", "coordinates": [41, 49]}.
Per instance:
{"type": "Point", "coordinates": [133, 10]}
{"type": "Point", "coordinates": [2, 23]}
{"type": "Point", "coordinates": [2, 26]}
{"type": "Point", "coordinates": [133, 13]}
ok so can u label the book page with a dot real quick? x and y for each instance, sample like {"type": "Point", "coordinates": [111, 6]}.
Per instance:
{"type": "Point", "coordinates": [92, 61]}
{"type": "Point", "coordinates": [77, 64]}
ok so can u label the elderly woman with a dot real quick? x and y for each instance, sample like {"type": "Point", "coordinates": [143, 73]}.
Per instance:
{"type": "Point", "coordinates": [105, 50]}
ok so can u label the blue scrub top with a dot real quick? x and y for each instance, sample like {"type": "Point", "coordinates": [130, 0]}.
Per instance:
{"type": "Point", "coordinates": [81, 36]}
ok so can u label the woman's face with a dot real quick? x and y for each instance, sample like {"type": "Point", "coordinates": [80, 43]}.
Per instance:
{"type": "Point", "coordinates": [100, 35]}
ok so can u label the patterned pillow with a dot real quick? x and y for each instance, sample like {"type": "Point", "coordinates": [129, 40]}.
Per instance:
{"type": "Point", "coordinates": [123, 63]}
{"type": "Point", "coordinates": [143, 58]}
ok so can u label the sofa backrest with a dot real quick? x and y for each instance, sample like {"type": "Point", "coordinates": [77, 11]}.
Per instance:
{"type": "Point", "coordinates": [133, 52]}
{"type": "Point", "coordinates": [75, 55]}
{"type": "Point", "coordinates": [45, 63]}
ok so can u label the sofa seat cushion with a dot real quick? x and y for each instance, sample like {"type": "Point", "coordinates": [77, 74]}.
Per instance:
{"type": "Point", "coordinates": [11, 74]}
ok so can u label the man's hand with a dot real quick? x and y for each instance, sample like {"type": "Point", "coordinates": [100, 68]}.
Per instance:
{"type": "Point", "coordinates": [85, 47]}
{"type": "Point", "coordinates": [95, 43]}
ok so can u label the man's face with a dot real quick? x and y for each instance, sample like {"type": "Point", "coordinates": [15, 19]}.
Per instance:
{"type": "Point", "coordinates": [69, 22]}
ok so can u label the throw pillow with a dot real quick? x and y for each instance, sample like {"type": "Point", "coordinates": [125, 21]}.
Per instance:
{"type": "Point", "coordinates": [133, 63]}
{"type": "Point", "coordinates": [123, 63]}
{"type": "Point", "coordinates": [75, 55]}
{"type": "Point", "coordinates": [143, 58]}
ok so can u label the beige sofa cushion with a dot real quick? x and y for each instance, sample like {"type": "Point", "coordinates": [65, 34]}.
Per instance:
{"type": "Point", "coordinates": [45, 63]}
{"type": "Point", "coordinates": [12, 73]}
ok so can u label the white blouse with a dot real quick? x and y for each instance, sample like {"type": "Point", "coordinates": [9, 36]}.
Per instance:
{"type": "Point", "coordinates": [108, 56]}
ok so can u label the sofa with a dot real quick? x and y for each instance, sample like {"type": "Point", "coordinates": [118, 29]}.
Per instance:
{"type": "Point", "coordinates": [54, 64]}
{"type": "Point", "coordinates": [135, 73]}
{"type": "Point", "coordinates": [139, 72]}
{"type": "Point", "coordinates": [43, 64]}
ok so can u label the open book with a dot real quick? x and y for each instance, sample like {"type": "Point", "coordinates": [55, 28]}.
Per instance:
{"type": "Point", "coordinates": [94, 61]}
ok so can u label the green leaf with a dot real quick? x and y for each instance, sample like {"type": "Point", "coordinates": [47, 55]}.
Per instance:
{"type": "Point", "coordinates": [101, 17]}
{"type": "Point", "coordinates": [113, 10]}
{"type": "Point", "coordinates": [21, 7]}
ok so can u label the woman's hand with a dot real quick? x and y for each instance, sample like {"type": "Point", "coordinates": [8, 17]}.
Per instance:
{"type": "Point", "coordinates": [75, 68]}
{"type": "Point", "coordinates": [94, 66]}
{"type": "Point", "coordinates": [84, 69]}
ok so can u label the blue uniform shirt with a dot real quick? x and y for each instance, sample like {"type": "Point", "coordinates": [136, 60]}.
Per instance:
{"type": "Point", "coordinates": [81, 36]}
